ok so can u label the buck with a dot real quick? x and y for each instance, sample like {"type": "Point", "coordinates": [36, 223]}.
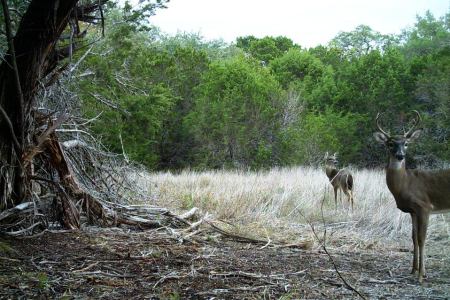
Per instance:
{"type": "Point", "coordinates": [417, 192]}
{"type": "Point", "coordinates": [340, 179]}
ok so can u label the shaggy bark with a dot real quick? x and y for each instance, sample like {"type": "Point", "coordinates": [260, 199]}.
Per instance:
{"type": "Point", "coordinates": [34, 46]}
{"type": "Point", "coordinates": [28, 138]}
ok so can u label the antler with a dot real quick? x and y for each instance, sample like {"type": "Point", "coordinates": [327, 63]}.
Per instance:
{"type": "Point", "coordinates": [417, 120]}
{"type": "Point", "coordinates": [379, 126]}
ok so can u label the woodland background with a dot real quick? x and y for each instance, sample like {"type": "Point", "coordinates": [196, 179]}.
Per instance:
{"type": "Point", "coordinates": [181, 102]}
{"type": "Point", "coordinates": [101, 81]}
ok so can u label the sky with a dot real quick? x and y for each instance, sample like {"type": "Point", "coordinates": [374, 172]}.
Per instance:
{"type": "Point", "coordinates": [307, 22]}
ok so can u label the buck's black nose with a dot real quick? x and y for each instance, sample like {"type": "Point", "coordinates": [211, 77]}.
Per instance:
{"type": "Point", "coordinates": [399, 156]}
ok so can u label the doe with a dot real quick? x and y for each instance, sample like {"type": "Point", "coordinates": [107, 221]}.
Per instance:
{"type": "Point", "coordinates": [340, 179]}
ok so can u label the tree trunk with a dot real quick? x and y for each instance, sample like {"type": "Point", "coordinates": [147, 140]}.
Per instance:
{"type": "Point", "coordinates": [35, 52]}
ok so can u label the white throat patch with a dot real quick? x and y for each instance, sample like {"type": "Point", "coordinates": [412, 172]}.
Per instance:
{"type": "Point", "coordinates": [396, 164]}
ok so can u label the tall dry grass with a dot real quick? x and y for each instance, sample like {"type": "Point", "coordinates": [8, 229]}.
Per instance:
{"type": "Point", "coordinates": [283, 203]}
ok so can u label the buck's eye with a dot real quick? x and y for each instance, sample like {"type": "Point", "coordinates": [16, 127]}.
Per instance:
{"type": "Point", "coordinates": [406, 144]}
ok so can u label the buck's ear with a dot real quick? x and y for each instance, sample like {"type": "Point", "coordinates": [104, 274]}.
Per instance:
{"type": "Point", "coordinates": [413, 136]}
{"type": "Point", "coordinates": [380, 137]}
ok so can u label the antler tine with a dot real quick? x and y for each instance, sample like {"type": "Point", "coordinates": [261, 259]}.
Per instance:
{"type": "Point", "coordinates": [417, 120]}
{"type": "Point", "coordinates": [379, 126]}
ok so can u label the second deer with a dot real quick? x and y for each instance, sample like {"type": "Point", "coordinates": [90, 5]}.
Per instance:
{"type": "Point", "coordinates": [340, 179]}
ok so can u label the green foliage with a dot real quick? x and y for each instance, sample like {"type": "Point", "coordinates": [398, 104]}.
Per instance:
{"type": "Point", "coordinates": [264, 49]}
{"type": "Point", "coordinates": [234, 118]}
{"type": "Point", "coordinates": [183, 75]}
{"type": "Point", "coordinates": [362, 41]}
{"type": "Point", "coordinates": [320, 132]}
{"type": "Point", "coordinates": [42, 280]}
{"type": "Point", "coordinates": [267, 48]}
{"type": "Point", "coordinates": [137, 16]}
{"type": "Point", "coordinates": [297, 65]}
{"type": "Point", "coordinates": [330, 56]}
{"type": "Point", "coordinates": [136, 98]}
{"type": "Point", "coordinates": [215, 50]}
{"type": "Point", "coordinates": [375, 82]}
{"type": "Point", "coordinates": [433, 95]}
{"type": "Point", "coordinates": [244, 42]}
{"type": "Point", "coordinates": [303, 72]}
{"type": "Point", "coordinates": [16, 9]}
{"type": "Point", "coordinates": [428, 36]}
{"type": "Point", "coordinates": [182, 102]}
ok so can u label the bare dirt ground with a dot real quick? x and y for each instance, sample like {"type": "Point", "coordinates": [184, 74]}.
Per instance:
{"type": "Point", "coordinates": [118, 264]}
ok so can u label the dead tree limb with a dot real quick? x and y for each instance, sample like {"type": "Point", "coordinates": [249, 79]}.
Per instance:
{"type": "Point", "coordinates": [324, 248]}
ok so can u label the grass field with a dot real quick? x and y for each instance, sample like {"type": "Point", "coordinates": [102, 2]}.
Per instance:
{"type": "Point", "coordinates": [370, 248]}
{"type": "Point", "coordinates": [282, 204]}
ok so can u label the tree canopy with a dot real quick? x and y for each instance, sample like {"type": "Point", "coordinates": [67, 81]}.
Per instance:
{"type": "Point", "coordinates": [265, 102]}
{"type": "Point", "coordinates": [176, 102]}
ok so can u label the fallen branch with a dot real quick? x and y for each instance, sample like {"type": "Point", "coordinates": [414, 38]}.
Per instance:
{"type": "Point", "coordinates": [101, 273]}
{"type": "Point", "coordinates": [14, 210]}
{"type": "Point", "coordinates": [236, 237]}
{"type": "Point", "coordinates": [189, 214]}
{"type": "Point", "coordinates": [25, 230]}
{"type": "Point", "coordinates": [324, 248]}
{"type": "Point", "coordinates": [171, 275]}
{"type": "Point", "coordinates": [244, 239]}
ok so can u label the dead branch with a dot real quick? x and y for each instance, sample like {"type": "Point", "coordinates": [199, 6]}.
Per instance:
{"type": "Point", "coordinates": [244, 239]}
{"type": "Point", "coordinates": [41, 139]}
{"type": "Point", "coordinates": [101, 273]}
{"type": "Point", "coordinates": [81, 59]}
{"type": "Point", "coordinates": [73, 144]}
{"type": "Point", "coordinates": [189, 214]}
{"type": "Point", "coordinates": [24, 231]}
{"type": "Point", "coordinates": [324, 248]}
{"type": "Point", "coordinates": [14, 210]}
{"type": "Point", "coordinates": [110, 104]}
{"type": "Point", "coordinates": [194, 225]}
{"type": "Point", "coordinates": [190, 235]}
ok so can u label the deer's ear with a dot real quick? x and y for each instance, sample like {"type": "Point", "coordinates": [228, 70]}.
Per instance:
{"type": "Point", "coordinates": [380, 137]}
{"type": "Point", "coordinates": [413, 136]}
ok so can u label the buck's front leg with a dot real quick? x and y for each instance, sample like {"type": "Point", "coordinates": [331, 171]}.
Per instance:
{"type": "Point", "coordinates": [422, 226]}
{"type": "Point", "coordinates": [415, 263]}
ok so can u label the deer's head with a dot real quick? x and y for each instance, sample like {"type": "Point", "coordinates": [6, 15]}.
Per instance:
{"type": "Point", "coordinates": [397, 144]}
{"type": "Point", "coordinates": [331, 160]}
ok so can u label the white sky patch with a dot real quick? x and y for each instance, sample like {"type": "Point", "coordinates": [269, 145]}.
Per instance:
{"type": "Point", "coordinates": [307, 23]}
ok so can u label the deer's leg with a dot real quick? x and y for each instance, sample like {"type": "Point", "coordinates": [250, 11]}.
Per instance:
{"type": "Point", "coordinates": [347, 194]}
{"type": "Point", "coordinates": [350, 197]}
{"type": "Point", "coordinates": [335, 196]}
{"type": "Point", "coordinates": [415, 263]}
{"type": "Point", "coordinates": [422, 226]}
